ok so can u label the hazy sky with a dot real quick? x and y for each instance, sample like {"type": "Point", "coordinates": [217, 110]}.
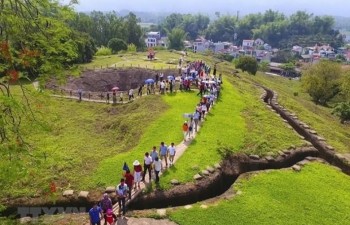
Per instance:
{"type": "Point", "coordinates": [319, 7]}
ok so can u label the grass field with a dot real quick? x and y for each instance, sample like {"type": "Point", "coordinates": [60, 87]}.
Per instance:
{"type": "Point", "coordinates": [316, 195]}
{"type": "Point", "coordinates": [318, 117]}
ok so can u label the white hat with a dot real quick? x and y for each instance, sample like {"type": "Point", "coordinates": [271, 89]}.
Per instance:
{"type": "Point", "coordinates": [136, 163]}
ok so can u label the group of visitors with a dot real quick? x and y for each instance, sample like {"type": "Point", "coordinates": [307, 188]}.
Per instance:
{"type": "Point", "coordinates": [158, 159]}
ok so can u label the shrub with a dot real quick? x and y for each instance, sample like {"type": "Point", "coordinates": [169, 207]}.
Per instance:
{"type": "Point", "coordinates": [117, 45]}
{"type": "Point", "coordinates": [342, 110]}
{"type": "Point", "coordinates": [103, 51]}
{"type": "Point", "coordinates": [247, 63]}
{"type": "Point", "coordinates": [131, 48]}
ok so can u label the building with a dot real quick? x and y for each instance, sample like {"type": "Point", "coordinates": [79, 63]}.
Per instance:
{"type": "Point", "coordinates": [248, 44]}
{"type": "Point", "coordinates": [153, 39]}
{"type": "Point", "coordinates": [259, 42]}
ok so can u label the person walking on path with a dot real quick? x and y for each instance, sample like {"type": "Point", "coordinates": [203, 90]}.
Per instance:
{"type": "Point", "coordinates": [129, 180]}
{"type": "Point", "coordinates": [107, 98]}
{"type": "Point", "coordinates": [196, 118]}
{"type": "Point", "coordinates": [172, 152]}
{"type": "Point", "coordinates": [190, 128]}
{"type": "Point", "coordinates": [95, 215]}
{"type": "Point", "coordinates": [110, 217]}
{"type": "Point", "coordinates": [106, 203]}
{"type": "Point", "coordinates": [122, 193]}
{"type": "Point", "coordinates": [163, 152]}
{"type": "Point", "coordinates": [157, 168]}
{"type": "Point", "coordinates": [147, 166]}
{"type": "Point", "coordinates": [154, 153]}
{"type": "Point", "coordinates": [140, 91]}
{"type": "Point", "coordinates": [121, 97]}
{"type": "Point", "coordinates": [137, 173]}
{"type": "Point", "coordinates": [131, 94]}
{"type": "Point", "coordinates": [185, 130]}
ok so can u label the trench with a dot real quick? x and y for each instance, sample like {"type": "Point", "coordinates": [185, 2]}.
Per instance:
{"type": "Point", "coordinates": [220, 181]}
{"type": "Point", "coordinates": [235, 165]}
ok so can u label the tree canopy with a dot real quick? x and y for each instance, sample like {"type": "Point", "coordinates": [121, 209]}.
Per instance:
{"type": "Point", "coordinates": [176, 39]}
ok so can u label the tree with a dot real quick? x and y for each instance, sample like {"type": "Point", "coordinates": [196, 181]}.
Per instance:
{"type": "Point", "coordinates": [134, 31]}
{"type": "Point", "coordinates": [263, 66]}
{"type": "Point", "coordinates": [34, 42]}
{"type": "Point", "coordinates": [321, 81]}
{"type": "Point", "coordinates": [222, 29]}
{"type": "Point", "coordinates": [176, 39]}
{"type": "Point", "coordinates": [345, 86]}
{"type": "Point", "coordinates": [117, 45]}
{"type": "Point", "coordinates": [247, 63]}
{"type": "Point", "coordinates": [342, 110]}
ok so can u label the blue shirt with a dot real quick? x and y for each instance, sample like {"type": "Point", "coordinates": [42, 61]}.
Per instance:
{"type": "Point", "coordinates": [163, 149]}
{"type": "Point", "coordinates": [154, 154]}
{"type": "Point", "coordinates": [95, 215]}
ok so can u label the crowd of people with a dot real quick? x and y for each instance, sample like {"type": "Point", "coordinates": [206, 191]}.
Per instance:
{"type": "Point", "coordinates": [162, 157]}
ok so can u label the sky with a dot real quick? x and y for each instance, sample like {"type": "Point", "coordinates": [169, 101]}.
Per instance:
{"type": "Point", "coordinates": [318, 7]}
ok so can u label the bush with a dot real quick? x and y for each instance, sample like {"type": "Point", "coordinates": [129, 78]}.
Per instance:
{"type": "Point", "coordinates": [247, 63]}
{"type": "Point", "coordinates": [226, 57]}
{"type": "Point", "coordinates": [117, 45]}
{"type": "Point", "coordinates": [263, 67]}
{"type": "Point", "coordinates": [131, 48]}
{"type": "Point", "coordinates": [103, 51]}
{"type": "Point", "coordinates": [158, 48]}
{"type": "Point", "coordinates": [342, 110]}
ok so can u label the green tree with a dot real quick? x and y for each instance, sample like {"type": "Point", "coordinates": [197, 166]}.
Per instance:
{"type": "Point", "coordinates": [321, 81]}
{"type": "Point", "coordinates": [222, 29]}
{"type": "Point", "coordinates": [176, 39]}
{"type": "Point", "coordinates": [34, 42]}
{"type": "Point", "coordinates": [342, 110]}
{"type": "Point", "coordinates": [263, 67]}
{"type": "Point", "coordinates": [345, 86]}
{"type": "Point", "coordinates": [247, 63]}
{"type": "Point", "coordinates": [117, 45]}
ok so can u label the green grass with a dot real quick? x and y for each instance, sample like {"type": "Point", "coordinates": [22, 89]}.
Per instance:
{"type": "Point", "coordinates": [319, 194]}
{"type": "Point", "coordinates": [318, 117]}
{"type": "Point", "coordinates": [167, 128]}
{"type": "Point", "coordinates": [223, 127]}
{"type": "Point", "coordinates": [266, 132]}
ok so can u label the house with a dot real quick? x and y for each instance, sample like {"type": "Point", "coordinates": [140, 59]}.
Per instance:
{"type": "Point", "coordinates": [153, 39]}
{"type": "Point", "coordinates": [297, 50]}
{"type": "Point", "coordinates": [259, 42]}
{"type": "Point", "coordinates": [201, 44]}
{"type": "Point", "coordinates": [247, 44]}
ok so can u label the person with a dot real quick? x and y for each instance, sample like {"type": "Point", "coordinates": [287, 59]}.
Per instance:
{"type": "Point", "coordinates": [196, 117]}
{"type": "Point", "coordinates": [148, 89]}
{"type": "Point", "coordinates": [147, 166]}
{"type": "Point", "coordinates": [137, 173]}
{"type": "Point", "coordinates": [131, 94]}
{"type": "Point", "coordinates": [114, 97]}
{"type": "Point", "coordinates": [190, 128]}
{"type": "Point", "coordinates": [214, 71]}
{"type": "Point", "coordinates": [185, 129]}
{"type": "Point", "coordinates": [107, 98]}
{"type": "Point", "coordinates": [121, 97]}
{"type": "Point", "coordinates": [106, 203]}
{"type": "Point", "coordinates": [110, 217]}
{"type": "Point", "coordinates": [157, 79]}
{"type": "Point", "coordinates": [157, 168]}
{"type": "Point", "coordinates": [122, 192]}
{"type": "Point", "coordinates": [80, 93]}
{"type": "Point", "coordinates": [162, 87]}
{"type": "Point", "coordinates": [129, 180]}
{"type": "Point", "coordinates": [140, 91]}
{"type": "Point", "coordinates": [95, 215]}
{"type": "Point", "coordinates": [163, 152]}
{"type": "Point", "coordinates": [204, 108]}
{"type": "Point", "coordinates": [154, 153]}
{"type": "Point", "coordinates": [172, 151]}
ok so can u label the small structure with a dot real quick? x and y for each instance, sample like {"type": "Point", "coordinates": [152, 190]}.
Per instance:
{"type": "Point", "coordinates": [153, 39]}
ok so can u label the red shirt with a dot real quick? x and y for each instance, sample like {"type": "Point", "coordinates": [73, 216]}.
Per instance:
{"type": "Point", "coordinates": [138, 168]}
{"type": "Point", "coordinates": [129, 178]}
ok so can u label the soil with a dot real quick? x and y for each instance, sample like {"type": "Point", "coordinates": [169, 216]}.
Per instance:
{"type": "Point", "coordinates": [105, 79]}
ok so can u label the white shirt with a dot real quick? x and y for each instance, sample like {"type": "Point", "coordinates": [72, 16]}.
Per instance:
{"type": "Point", "coordinates": [171, 150]}
{"type": "Point", "coordinates": [131, 92]}
{"type": "Point", "coordinates": [148, 160]}
{"type": "Point", "coordinates": [162, 84]}
{"type": "Point", "coordinates": [204, 107]}
{"type": "Point", "coordinates": [157, 165]}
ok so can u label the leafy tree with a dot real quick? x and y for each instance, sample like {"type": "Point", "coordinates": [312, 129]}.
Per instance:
{"type": "Point", "coordinates": [247, 63]}
{"type": "Point", "coordinates": [342, 110]}
{"type": "Point", "coordinates": [176, 39]}
{"type": "Point", "coordinates": [194, 25]}
{"type": "Point", "coordinates": [321, 81]}
{"type": "Point", "coordinates": [34, 42]}
{"type": "Point", "coordinates": [222, 29]}
{"type": "Point", "coordinates": [134, 31]}
{"type": "Point", "coordinates": [117, 45]}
